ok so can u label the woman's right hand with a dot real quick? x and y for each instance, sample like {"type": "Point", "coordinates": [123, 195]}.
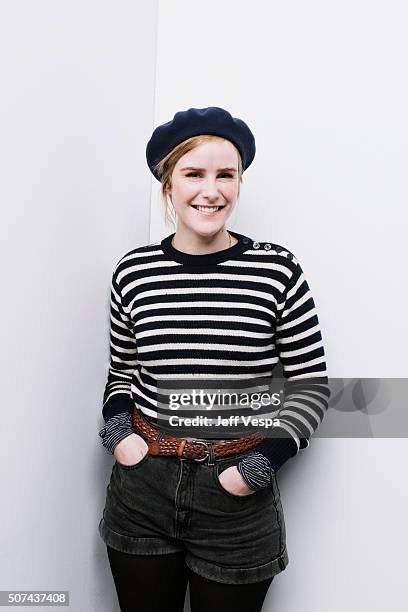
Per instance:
{"type": "Point", "coordinates": [130, 450]}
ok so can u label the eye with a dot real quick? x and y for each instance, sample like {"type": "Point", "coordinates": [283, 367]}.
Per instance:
{"type": "Point", "coordinates": [227, 174]}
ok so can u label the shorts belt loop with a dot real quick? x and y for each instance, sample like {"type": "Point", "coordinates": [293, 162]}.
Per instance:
{"type": "Point", "coordinates": [181, 447]}
{"type": "Point", "coordinates": [211, 456]}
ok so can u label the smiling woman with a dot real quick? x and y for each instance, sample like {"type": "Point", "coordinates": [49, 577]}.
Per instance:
{"type": "Point", "coordinates": [202, 173]}
{"type": "Point", "coordinates": [209, 304]}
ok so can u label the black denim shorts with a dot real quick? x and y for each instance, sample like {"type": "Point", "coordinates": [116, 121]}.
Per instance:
{"type": "Point", "coordinates": [167, 504]}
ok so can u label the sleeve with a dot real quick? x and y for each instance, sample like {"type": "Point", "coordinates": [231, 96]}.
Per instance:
{"type": "Point", "coordinates": [117, 397]}
{"type": "Point", "coordinates": [116, 429]}
{"type": "Point", "coordinates": [256, 470]}
{"type": "Point", "coordinates": [299, 344]}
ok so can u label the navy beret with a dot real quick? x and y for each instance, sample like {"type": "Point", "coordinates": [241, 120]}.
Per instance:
{"type": "Point", "coordinates": [197, 121]}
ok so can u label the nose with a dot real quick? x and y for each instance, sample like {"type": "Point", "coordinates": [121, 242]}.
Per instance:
{"type": "Point", "coordinates": [209, 189]}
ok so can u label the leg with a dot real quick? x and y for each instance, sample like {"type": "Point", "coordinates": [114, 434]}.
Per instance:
{"type": "Point", "coordinates": [208, 595]}
{"type": "Point", "coordinates": [149, 583]}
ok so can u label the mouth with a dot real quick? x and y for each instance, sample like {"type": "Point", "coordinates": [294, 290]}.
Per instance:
{"type": "Point", "coordinates": [207, 210]}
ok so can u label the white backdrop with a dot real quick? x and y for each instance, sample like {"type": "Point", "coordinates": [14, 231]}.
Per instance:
{"type": "Point", "coordinates": [321, 85]}
{"type": "Point", "coordinates": [76, 110]}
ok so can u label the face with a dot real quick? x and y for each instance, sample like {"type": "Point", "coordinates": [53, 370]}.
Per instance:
{"type": "Point", "coordinates": [204, 187]}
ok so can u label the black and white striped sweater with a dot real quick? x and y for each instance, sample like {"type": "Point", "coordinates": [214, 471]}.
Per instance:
{"type": "Point", "coordinates": [230, 314]}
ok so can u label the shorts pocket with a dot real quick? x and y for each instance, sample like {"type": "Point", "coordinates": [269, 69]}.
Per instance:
{"type": "Point", "coordinates": [221, 466]}
{"type": "Point", "coordinates": [134, 466]}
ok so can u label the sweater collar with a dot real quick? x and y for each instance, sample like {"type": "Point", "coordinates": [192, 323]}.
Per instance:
{"type": "Point", "coordinates": [240, 247]}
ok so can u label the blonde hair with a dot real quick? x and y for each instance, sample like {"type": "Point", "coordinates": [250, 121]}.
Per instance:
{"type": "Point", "coordinates": [166, 166]}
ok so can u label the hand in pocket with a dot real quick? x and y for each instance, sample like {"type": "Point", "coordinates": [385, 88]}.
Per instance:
{"type": "Point", "coordinates": [130, 450]}
{"type": "Point", "coordinates": [232, 481]}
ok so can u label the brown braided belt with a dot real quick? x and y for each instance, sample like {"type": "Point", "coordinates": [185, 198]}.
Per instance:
{"type": "Point", "coordinates": [190, 449]}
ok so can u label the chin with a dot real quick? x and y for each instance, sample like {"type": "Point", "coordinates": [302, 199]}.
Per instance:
{"type": "Point", "coordinates": [206, 229]}
{"type": "Point", "coordinates": [210, 224]}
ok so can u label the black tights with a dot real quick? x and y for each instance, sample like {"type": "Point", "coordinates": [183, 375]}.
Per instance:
{"type": "Point", "coordinates": [153, 583]}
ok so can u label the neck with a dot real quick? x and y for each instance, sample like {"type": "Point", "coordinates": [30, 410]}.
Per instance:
{"type": "Point", "coordinates": [195, 244]}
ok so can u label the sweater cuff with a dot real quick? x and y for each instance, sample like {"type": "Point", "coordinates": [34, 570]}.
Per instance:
{"type": "Point", "coordinates": [278, 449]}
{"type": "Point", "coordinates": [117, 404]}
{"type": "Point", "coordinates": [256, 470]}
{"type": "Point", "coordinates": [116, 429]}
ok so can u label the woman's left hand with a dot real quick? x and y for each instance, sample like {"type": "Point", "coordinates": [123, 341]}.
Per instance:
{"type": "Point", "coordinates": [233, 482]}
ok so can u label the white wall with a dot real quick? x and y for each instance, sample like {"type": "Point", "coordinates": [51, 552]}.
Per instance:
{"type": "Point", "coordinates": [322, 87]}
{"type": "Point", "coordinates": [76, 110]}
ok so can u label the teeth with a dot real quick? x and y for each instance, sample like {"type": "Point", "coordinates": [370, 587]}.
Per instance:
{"type": "Point", "coordinates": [207, 208]}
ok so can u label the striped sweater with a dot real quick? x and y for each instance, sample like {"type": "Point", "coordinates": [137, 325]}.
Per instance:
{"type": "Point", "coordinates": [231, 314]}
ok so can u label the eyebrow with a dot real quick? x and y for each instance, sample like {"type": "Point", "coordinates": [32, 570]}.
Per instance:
{"type": "Point", "coordinates": [203, 169]}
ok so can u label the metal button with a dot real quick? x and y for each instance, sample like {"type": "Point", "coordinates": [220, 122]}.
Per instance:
{"type": "Point", "coordinates": [256, 245]}
{"type": "Point", "coordinates": [245, 240]}
{"type": "Point", "coordinates": [289, 256]}
{"type": "Point", "coordinates": [278, 249]}
{"type": "Point", "coordinates": [267, 246]}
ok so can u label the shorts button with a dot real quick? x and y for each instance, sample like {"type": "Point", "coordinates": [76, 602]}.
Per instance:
{"type": "Point", "coordinates": [256, 245]}
{"type": "Point", "coordinates": [267, 246]}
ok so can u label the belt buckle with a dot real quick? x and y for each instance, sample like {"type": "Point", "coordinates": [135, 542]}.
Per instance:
{"type": "Point", "coordinates": [199, 442]}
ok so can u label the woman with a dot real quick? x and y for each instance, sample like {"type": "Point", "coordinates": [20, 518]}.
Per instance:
{"type": "Point", "coordinates": [207, 304]}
